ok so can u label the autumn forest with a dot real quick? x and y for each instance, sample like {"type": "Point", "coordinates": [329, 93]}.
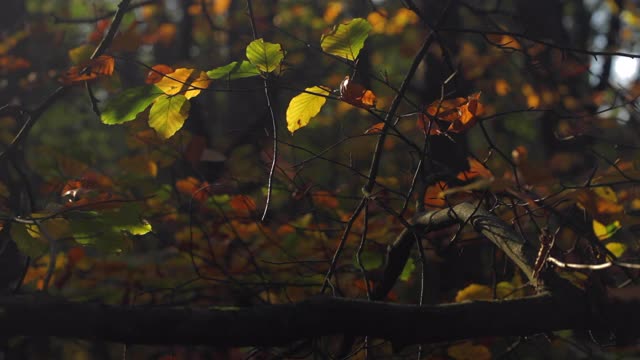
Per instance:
{"type": "Point", "coordinates": [372, 179]}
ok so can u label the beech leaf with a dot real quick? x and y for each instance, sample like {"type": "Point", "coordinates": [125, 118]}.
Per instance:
{"type": "Point", "coordinates": [127, 104]}
{"type": "Point", "coordinates": [346, 40]}
{"type": "Point", "coordinates": [265, 56]}
{"type": "Point", "coordinates": [26, 243]}
{"type": "Point", "coordinates": [168, 114]}
{"type": "Point", "coordinates": [234, 70]}
{"type": "Point", "coordinates": [187, 82]}
{"type": "Point", "coordinates": [305, 106]}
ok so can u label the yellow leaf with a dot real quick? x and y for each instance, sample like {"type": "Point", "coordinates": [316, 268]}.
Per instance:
{"type": "Point", "coordinates": [168, 113]}
{"type": "Point", "coordinates": [305, 106]}
{"type": "Point", "coordinates": [604, 232]}
{"type": "Point", "coordinates": [468, 351]}
{"type": "Point", "coordinates": [504, 289]}
{"type": "Point", "coordinates": [607, 193]}
{"type": "Point", "coordinates": [475, 292]}
{"type": "Point", "coordinates": [187, 82]}
{"type": "Point", "coordinates": [616, 248]}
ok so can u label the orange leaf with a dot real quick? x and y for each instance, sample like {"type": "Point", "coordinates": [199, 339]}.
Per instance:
{"type": "Point", "coordinates": [103, 65]}
{"type": "Point", "coordinates": [468, 114]}
{"type": "Point", "coordinates": [157, 72]}
{"type": "Point", "coordinates": [325, 198]}
{"type": "Point", "coordinates": [98, 33]}
{"type": "Point", "coordinates": [243, 205]}
{"type": "Point", "coordinates": [193, 187]}
{"type": "Point", "coordinates": [356, 94]}
{"type": "Point", "coordinates": [476, 169]}
{"type": "Point", "coordinates": [460, 112]}
{"type": "Point", "coordinates": [375, 128]}
{"type": "Point", "coordinates": [433, 198]}
{"type": "Point", "coordinates": [11, 63]}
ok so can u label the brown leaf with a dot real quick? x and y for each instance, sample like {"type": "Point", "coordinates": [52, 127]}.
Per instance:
{"type": "Point", "coordinates": [356, 94]}
{"type": "Point", "coordinates": [460, 112]}
{"type": "Point", "coordinates": [103, 65]}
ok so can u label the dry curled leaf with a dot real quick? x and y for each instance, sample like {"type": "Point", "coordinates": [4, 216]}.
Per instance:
{"type": "Point", "coordinates": [460, 113]}
{"type": "Point", "coordinates": [356, 94]}
{"type": "Point", "coordinates": [102, 65]}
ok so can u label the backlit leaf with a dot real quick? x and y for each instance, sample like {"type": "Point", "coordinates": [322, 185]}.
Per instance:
{"type": "Point", "coordinates": [127, 104]}
{"type": "Point", "coordinates": [356, 94]}
{"type": "Point", "coordinates": [305, 106]}
{"type": "Point", "coordinates": [103, 65]}
{"type": "Point", "coordinates": [107, 230]}
{"type": "Point", "coordinates": [346, 40]}
{"type": "Point", "coordinates": [187, 82]}
{"type": "Point", "coordinates": [234, 70]}
{"type": "Point", "coordinates": [265, 56]}
{"type": "Point", "coordinates": [157, 73]}
{"type": "Point", "coordinates": [168, 114]}
{"type": "Point", "coordinates": [616, 248]}
{"type": "Point", "coordinates": [375, 129]}
{"type": "Point", "coordinates": [604, 232]}
{"type": "Point", "coordinates": [460, 112]}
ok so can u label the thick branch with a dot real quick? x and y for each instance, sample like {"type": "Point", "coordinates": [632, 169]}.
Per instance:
{"type": "Point", "coordinates": [493, 228]}
{"type": "Point", "coordinates": [273, 325]}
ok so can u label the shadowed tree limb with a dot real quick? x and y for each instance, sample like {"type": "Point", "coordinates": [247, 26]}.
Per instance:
{"type": "Point", "coordinates": [274, 325]}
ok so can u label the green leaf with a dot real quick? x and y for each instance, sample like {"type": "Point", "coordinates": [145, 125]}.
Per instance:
{"type": "Point", "coordinates": [409, 267]}
{"type": "Point", "coordinates": [346, 40]}
{"type": "Point", "coordinates": [108, 230]}
{"type": "Point", "coordinates": [235, 70]}
{"type": "Point", "coordinates": [305, 106]}
{"type": "Point", "coordinates": [27, 244]}
{"type": "Point", "coordinates": [168, 114]}
{"type": "Point", "coordinates": [370, 260]}
{"type": "Point", "coordinates": [264, 55]}
{"type": "Point", "coordinates": [127, 104]}
{"type": "Point", "coordinates": [91, 229]}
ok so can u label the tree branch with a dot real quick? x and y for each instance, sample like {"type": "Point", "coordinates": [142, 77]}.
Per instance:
{"type": "Point", "coordinates": [274, 325]}
{"type": "Point", "coordinates": [494, 229]}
